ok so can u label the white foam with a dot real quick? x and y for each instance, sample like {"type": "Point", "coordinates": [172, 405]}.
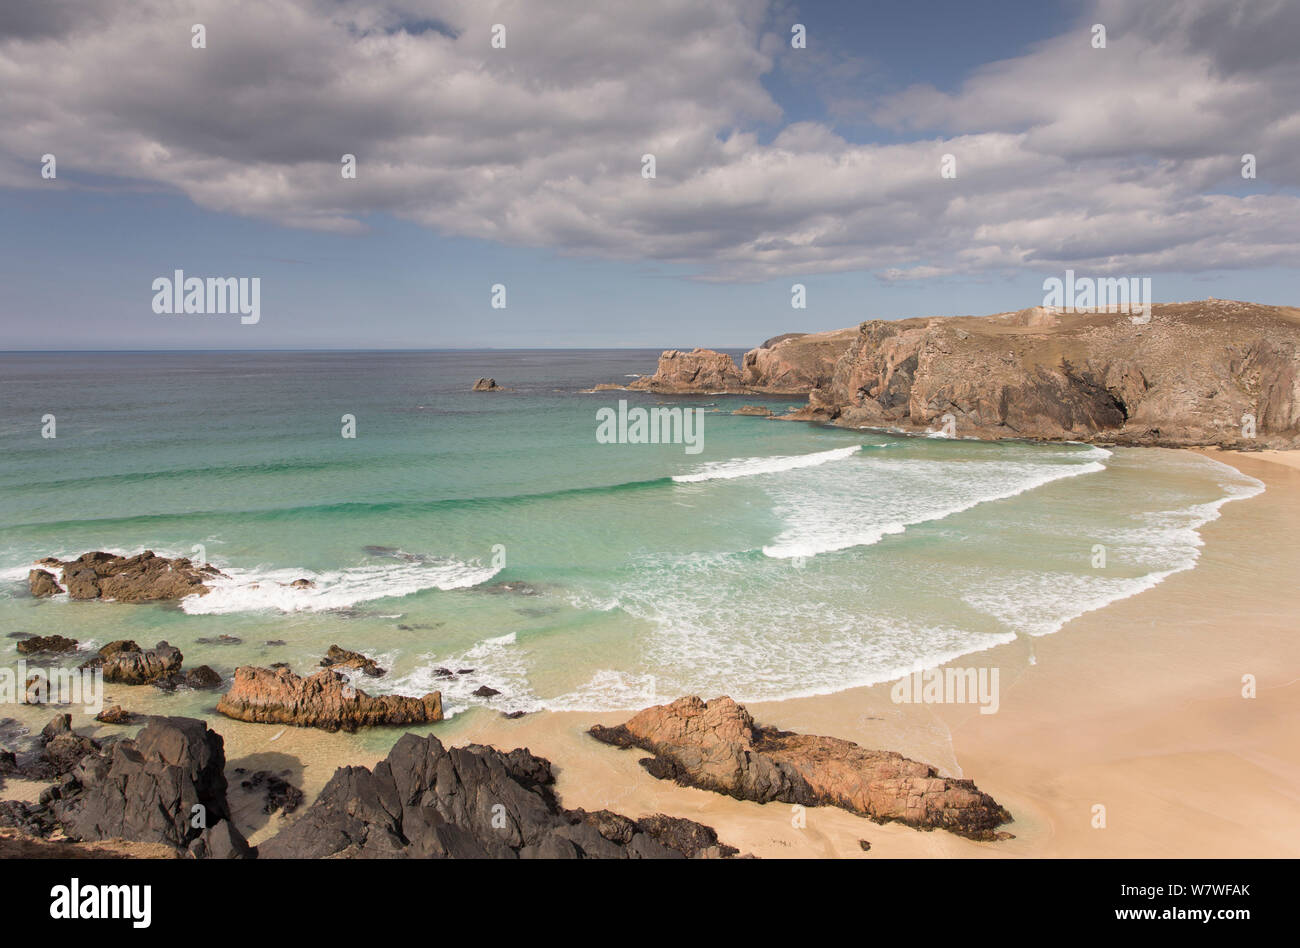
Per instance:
{"type": "Point", "coordinates": [817, 524]}
{"type": "Point", "coordinates": [496, 662]}
{"type": "Point", "coordinates": [256, 590]}
{"type": "Point", "coordinates": [1166, 542]}
{"type": "Point", "coordinates": [748, 467]}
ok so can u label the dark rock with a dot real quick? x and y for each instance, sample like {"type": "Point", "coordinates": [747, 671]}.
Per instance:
{"type": "Point", "coordinates": [154, 789]}
{"type": "Point", "coordinates": [63, 747]}
{"type": "Point", "coordinates": [126, 663]}
{"type": "Point", "coordinates": [202, 677]}
{"type": "Point", "coordinates": [47, 643]}
{"type": "Point", "coordinates": [115, 715]}
{"type": "Point", "coordinates": [427, 801]}
{"type": "Point", "coordinates": [483, 691]}
{"type": "Point", "coordinates": [221, 640]}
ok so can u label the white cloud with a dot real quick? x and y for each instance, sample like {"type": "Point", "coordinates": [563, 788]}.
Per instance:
{"type": "Point", "coordinates": [1111, 160]}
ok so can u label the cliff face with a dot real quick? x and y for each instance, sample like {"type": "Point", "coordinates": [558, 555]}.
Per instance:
{"type": "Point", "coordinates": [1188, 376]}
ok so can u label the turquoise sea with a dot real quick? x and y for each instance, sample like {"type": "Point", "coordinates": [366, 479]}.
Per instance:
{"type": "Point", "coordinates": [493, 532]}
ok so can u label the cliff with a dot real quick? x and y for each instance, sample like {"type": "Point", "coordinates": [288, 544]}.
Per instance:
{"type": "Point", "coordinates": [1194, 374]}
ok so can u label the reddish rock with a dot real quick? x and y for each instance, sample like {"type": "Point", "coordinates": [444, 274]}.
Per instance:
{"type": "Point", "coordinates": [717, 746]}
{"type": "Point", "coordinates": [344, 658]}
{"type": "Point", "coordinates": [694, 372]}
{"type": "Point", "coordinates": [324, 700]}
{"type": "Point", "coordinates": [1185, 377]}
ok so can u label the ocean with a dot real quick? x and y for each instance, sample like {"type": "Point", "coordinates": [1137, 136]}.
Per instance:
{"type": "Point", "coordinates": [493, 532]}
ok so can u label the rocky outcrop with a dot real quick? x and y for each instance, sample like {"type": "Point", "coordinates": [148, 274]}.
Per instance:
{"type": "Point", "coordinates": [42, 584]}
{"type": "Point", "coordinates": [324, 700]}
{"type": "Point", "coordinates": [142, 578]}
{"type": "Point", "coordinates": [427, 801]}
{"type": "Point", "coordinates": [695, 372]}
{"type": "Point", "coordinates": [126, 663]}
{"type": "Point", "coordinates": [115, 715]}
{"type": "Point", "coordinates": [794, 364]}
{"type": "Point", "coordinates": [54, 644]}
{"type": "Point", "coordinates": [1193, 374]}
{"type": "Point", "coordinates": [487, 385]}
{"type": "Point", "coordinates": [717, 746]}
{"type": "Point", "coordinates": [168, 785]}
{"type": "Point", "coordinates": [344, 658]}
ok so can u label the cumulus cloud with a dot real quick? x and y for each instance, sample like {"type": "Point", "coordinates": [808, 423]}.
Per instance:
{"type": "Point", "coordinates": [1122, 159]}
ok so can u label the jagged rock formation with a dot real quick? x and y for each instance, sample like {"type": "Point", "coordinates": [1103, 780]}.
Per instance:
{"type": "Point", "coordinates": [487, 385]}
{"type": "Point", "coordinates": [155, 789]}
{"type": "Point", "coordinates": [697, 371]}
{"type": "Point", "coordinates": [717, 746]}
{"type": "Point", "coordinates": [142, 578]}
{"type": "Point", "coordinates": [1194, 374]}
{"type": "Point", "coordinates": [794, 364]}
{"type": "Point", "coordinates": [345, 658]}
{"type": "Point", "coordinates": [324, 700]}
{"type": "Point", "coordinates": [42, 584]}
{"type": "Point", "coordinates": [427, 801]}
{"type": "Point", "coordinates": [124, 662]}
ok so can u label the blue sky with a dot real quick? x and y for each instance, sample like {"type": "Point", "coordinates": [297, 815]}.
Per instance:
{"type": "Point", "coordinates": [775, 166]}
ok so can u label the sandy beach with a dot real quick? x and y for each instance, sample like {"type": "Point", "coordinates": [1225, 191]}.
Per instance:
{"type": "Point", "coordinates": [1137, 708]}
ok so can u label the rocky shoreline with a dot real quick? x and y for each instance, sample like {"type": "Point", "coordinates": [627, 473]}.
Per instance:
{"type": "Point", "coordinates": [1213, 372]}
{"type": "Point", "coordinates": [166, 789]}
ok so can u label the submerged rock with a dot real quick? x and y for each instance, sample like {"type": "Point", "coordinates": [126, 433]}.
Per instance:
{"type": "Point", "coordinates": [324, 700]}
{"type": "Point", "coordinates": [717, 746]}
{"type": "Point", "coordinates": [426, 801]}
{"type": "Point", "coordinates": [279, 793]}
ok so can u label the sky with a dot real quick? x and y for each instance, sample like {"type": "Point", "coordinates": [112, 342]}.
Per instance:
{"type": "Point", "coordinates": [522, 165]}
